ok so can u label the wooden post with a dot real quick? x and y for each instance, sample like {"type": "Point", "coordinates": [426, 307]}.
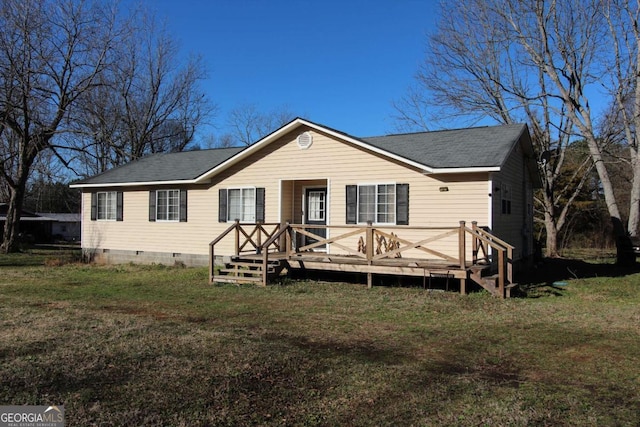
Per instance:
{"type": "Point", "coordinates": [211, 264]}
{"type": "Point", "coordinates": [258, 238]}
{"type": "Point", "coordinates": [265, 264]}
{"type": "Point", "coordinates": [369, 239]}
{"type": "Point", "coordinates": [462, 246]}
{"type": "Point", "coordinates": [237, 237]}
{"type": "Point", "coordinates": [510, 264]}
{"type": "Point", "coordinates": [474, 242]}
{"type": "Point", "coordinates": [501, 271]}
{"type": "Point", "coordinates": [288, 248]}
{"type": "Point", "coordinates": [463, 286]}
{"type": "Point", "coordinates": [369, 242]}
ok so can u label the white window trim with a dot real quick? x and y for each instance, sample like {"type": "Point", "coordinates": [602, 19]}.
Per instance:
{"type": "Point", "coordinates": [158, 205]}
{"type": "Point", "coordinates": [115, 202]}
{"type": "Point", "coordinates": [375, 214]}
{"type": "Point", "coordinates": [254, 188]}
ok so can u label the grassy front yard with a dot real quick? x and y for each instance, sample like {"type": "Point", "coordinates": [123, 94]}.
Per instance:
{"type": "Point", "coordinates": [133, 345]}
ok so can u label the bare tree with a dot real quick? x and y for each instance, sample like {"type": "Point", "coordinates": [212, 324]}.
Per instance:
{"type": "Point", "coordinates": [149, 101]}
{"type": "Point", "coordinates": [248, 123]}
{"type": "Point", "coordinates": [51, 53]}
{"type": "Point", "coordinates": [623, 123]}
{"type": "Point", "coordinates": [475, 69]}
{"type": "Point", "coordinates": [575, 44]}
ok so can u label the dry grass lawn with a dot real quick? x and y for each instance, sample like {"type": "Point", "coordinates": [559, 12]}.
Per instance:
{"type": "Point", "coordinates": [132, 345]}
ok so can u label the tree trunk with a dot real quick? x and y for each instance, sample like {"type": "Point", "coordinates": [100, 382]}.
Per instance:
{"type": "Point", "coordinates": [634, 207]}
{"type": "Point", "coordinates": [551, 249]}
{"type": "Point", "coordinates": [11, 241]}
{"type": "Point", "coordinates": [624, 254]}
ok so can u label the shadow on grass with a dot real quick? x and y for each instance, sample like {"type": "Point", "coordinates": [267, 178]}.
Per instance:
{"type": "Point", "coordinates": [549, 277]}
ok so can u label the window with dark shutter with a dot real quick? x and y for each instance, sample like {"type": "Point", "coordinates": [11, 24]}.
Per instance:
{"type": "Point", "coordinates": [242, 204]}
{"type": "Point", "coordinates": [260, 204]}
{"type": "Point", "coordinates": [94, 206]}
{"type": "Point", "coordinates": [152, 205]}
{"type": "Point", "coordinates": [352, 204]}
{"type": "Point", "coordinates": [222, 205]}
{"type": "Point", "coordinates": [119, 207]}
{"type": "Point", "coordinates": [183, 205]}
{"type": "Point", "coordinates": [402, 204]}
{"type": "Point", "coordinates": [379, 203]}
{"type": "Point", "coordinates": [108, 204]}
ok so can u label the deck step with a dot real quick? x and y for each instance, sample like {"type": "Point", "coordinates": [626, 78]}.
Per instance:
{"type": "Point", "coordinates": [246, 271]}
{"type": "Point", "coordinates": [241, 270]}
{"type": "Point", "coordinates": [236, 279]}
{"type": "Point", "coordinates": [251, 264]}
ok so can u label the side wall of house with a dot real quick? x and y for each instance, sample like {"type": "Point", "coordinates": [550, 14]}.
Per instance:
{"type": "Point", "coordinates": [434, 201]}
{"type": "Point", "coordinates": [512, 205]}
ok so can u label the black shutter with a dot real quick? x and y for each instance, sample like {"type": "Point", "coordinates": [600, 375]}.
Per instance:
{"type": "Point", "coordinates": [402, 204]}
{"type": "Point", "coordinates": [94, 206]}
{"type": "Point", "coordinates": [352, 204]}
{"type": "Point", "coordinates": [259, 204]}
{"type": "Point", "coordinates": [119, 197]}
{"type": "Point", "coordinates": [183, 205]}
{"type": "Point", "coordinates": [152, 205]}
{"type": "Point", "coordinates": [222, 205]}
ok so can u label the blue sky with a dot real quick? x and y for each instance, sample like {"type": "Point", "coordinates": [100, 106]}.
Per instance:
{"type": "Point", "coordinates": [339, 63]}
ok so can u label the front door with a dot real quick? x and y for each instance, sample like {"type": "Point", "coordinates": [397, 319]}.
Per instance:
{"type": "Point", "coordinates": [315, 213]}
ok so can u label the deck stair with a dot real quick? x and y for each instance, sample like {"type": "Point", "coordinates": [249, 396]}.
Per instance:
{"type": "Point", "coordinates": [480, 274]}
{"type": "Point", "coordinates": [246, 270]}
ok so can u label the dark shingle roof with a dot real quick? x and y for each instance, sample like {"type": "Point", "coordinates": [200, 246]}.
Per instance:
{"type": "Point", "coordinates": [459, 148]}
{"type": "Point", "coordinates": [479, 147]}
{"type": "Point", "coordinates": [186, 165]}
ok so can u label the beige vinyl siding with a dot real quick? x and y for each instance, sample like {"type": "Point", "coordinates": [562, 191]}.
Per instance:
{"type": "Point", "coordinates": [514, 226]}
{"type": "Point", "coordinates": [137, 233]}
{"type": "Point", "coordinates": [283, 165]}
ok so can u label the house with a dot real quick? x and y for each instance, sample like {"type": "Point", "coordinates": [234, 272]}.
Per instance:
{"type": "Point", "coordinates": [64, 226]}
{"type": "Point", "coordinates": [38, 227]}
{"type": "Point", "coordinates": [169, 207]}
{"type": "Point", "coordinates": [32, 227]}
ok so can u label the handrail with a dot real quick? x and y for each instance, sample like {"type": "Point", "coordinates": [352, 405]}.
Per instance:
{"type": "Point", "coordinates": [496, 244]}
{"type": "Point", "coordinates": [249, 238]}
{"type": "Point", "coordinates": [224, 233]}
{"type": "Point", "coordinates": [494, 238]}
{"type": "Point", "coordinates": [505, 254]}
{"type": "Point", "coordinates": [212, 246]}
{"type": "Point", "coordinates": [274, 237]}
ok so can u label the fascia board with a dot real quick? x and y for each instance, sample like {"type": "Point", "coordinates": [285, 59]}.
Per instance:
{"type": "Point", "coordinates": [134, 184]}
{"type": "Point", "coordinates": [435, 171]}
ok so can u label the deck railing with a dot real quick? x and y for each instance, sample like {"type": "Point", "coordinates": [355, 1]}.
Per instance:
{"type": "Point", "coordinates": [482, 240]}
{"type": "Point", "coordinates": [374, 243]}
{"type": "Point", "coordinates": [249, 238]}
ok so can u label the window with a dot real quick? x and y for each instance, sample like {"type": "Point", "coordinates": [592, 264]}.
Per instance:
{"type": "Point", "coordinates": [242, 204]}
{"type": "Point", "coordinates": [107, 203]}
{"type": "Point", "coordinates": [505, 195]}
{"type": "Point", "coordinates": [106, 206]}
{"type": "Point", "coordinates": [379, 203]}
{"type": "Point", "coordinates": [168, 205]}
{"type": "Point", "coordinates": [316, 208]}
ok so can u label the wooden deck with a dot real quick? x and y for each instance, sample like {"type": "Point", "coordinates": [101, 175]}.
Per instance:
{"type": "Point", "coordinates": [263, 251]}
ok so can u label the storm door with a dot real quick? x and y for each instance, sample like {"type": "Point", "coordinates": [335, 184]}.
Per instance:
{"type": "Point", "coordinates": [315, 214]}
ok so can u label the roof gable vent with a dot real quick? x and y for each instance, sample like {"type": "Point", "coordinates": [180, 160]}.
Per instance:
{"type": "Point", "coordinates": [304, 140]}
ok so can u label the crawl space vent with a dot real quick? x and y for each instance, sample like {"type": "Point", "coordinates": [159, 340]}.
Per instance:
{"type": "Point", "coordinates": [305, 140]}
